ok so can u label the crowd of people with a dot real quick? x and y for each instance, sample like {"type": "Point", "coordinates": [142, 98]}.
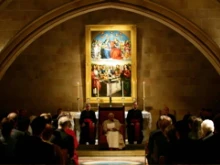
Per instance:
{"type": "Point", "coordinates": [42, 139]}
{"type": "Point", "coordinates": [47, 139]}
{"type": "Point", "coordinates": [192, 140]}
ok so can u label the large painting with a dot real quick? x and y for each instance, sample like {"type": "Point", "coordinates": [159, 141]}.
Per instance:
{"type": "Point", "coordinates": [111, 63]}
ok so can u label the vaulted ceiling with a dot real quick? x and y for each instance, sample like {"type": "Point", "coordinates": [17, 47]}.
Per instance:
{"type": "Point", "coordinates": [4, 3]}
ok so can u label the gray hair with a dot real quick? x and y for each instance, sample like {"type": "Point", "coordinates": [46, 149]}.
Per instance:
{"type": "Point", "coordinates": [207, 126]}
{"type": "Point", "coordinates": [63, 121]}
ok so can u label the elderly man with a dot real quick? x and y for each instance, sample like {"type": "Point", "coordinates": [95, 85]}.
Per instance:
{"type": "Point", "coordinates": [15, 134]}
{"type": "Point", "coordinates": [157, 145]}
{"type": "Point", "coordinates": [111, 126]}
{"type": "Point", "coordinates": [63, 139]}
{"type": "Point", "coordinates": [134, 125]}
{"type": "Point", "coordinates": [207, 147]}
{"type": "Point", "coordinates": [88, 125]}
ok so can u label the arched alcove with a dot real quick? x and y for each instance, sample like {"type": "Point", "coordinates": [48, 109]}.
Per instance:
{"type": "Point", "coordinates": [73, 9]}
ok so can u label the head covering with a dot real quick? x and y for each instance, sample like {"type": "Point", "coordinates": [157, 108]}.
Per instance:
{"type": "Point", "coordinates": [62, 120]}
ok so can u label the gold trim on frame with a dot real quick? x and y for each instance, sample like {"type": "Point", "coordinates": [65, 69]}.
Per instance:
{"type": "Point", "coordinates": [97, 29]}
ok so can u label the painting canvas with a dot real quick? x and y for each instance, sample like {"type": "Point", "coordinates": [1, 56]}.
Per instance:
{"type": "Point", "coordinates": [111, 63]}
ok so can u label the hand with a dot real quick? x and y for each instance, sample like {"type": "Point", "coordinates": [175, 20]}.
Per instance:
{"type": "Point", "coordinates": [83, 125]}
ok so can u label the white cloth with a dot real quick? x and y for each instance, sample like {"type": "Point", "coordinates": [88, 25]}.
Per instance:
{"type": "Point", "coordinates": [110, 125]}
{"type": "Point", "coordinates": [113, 139]}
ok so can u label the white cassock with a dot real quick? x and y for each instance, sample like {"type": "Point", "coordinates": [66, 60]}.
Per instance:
{"type": "Point", "coordinates": [114, 138]}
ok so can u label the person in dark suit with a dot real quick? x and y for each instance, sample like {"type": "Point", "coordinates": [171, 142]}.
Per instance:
{"type": "Point", "coordinates": [7, 143]}
{"type": "Point", "coordinates": [15, 134]}
{"type": "Point", "coordinates": [33, 150]}
{"type": "Point", "coordinates": [55, 118]}
{"type": "Point", "coordinates": [158, 142]}
{"type": "Point", "coordinates": [64, 140]}
{"type": "Point", "coordinates": [87, 125]}
{"type": "Point", "coordinates": [210, 142]}
{"type": "Point", "coordinates": [134, 125]}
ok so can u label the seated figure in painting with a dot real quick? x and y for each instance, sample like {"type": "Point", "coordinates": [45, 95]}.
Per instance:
{"type": "Point", "coordinates": [87, 125]}
{"type": "Point", "coordinates": [111, 127]}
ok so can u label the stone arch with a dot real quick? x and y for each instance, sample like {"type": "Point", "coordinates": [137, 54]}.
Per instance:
{"type": "Point", "coordinates": [76, 8]}
{"type": "Point", "coordinates": [4, 4]}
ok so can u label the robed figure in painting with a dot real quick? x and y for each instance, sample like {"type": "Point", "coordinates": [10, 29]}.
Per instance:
{"type": "Point", "coordinates": [115, 50]}
{"type": "Point", "coordinates": [134, 125]}
{"type": "Point", "coordinates": [126, 78]}
{"type": "Point", "coordinates": [88, 126]}
{"type": "Point", "coordinates": [96, 85]}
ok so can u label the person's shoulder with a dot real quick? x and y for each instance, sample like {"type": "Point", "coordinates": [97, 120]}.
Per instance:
{"type": "Point", "coordinates": [155, 132]}
{"type": "Point", "coordinates": [116, 120]}
{"type": "Point", "coordinates": [47, 146]}
{"type": "Point", "coordinates": [69, 137]}
{"type": "Point", "coordinates": [57, 132]}
{"type": "Point", "coordinates": [105, 121]}
{"type": "Point", "coordinates": [16, 131]}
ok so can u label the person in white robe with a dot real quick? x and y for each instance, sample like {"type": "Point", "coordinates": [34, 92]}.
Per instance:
{"type": "Point", "coordinates": [112, 126]}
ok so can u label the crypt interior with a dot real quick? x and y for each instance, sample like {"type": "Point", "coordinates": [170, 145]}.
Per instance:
{"type": "Point", "coordinates": [43, 54]}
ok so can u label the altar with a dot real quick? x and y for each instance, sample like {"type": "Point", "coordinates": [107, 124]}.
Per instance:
{"type": "Point", "coordinates": [110, 87]}
{"type": "Point", "coordinates": [147, 123]}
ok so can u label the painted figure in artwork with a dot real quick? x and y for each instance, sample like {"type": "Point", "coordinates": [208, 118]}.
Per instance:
{"type": "Point", "coordinates": [126, 78]}
{"type": "Point", "coordinates": [96, 86]}
{"type": "Point", "coordinates": [105, 49]}
{"type": "Point", "coordinates": [115, 50]}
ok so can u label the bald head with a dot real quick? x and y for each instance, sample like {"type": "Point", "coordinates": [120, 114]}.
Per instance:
{"type": "Point", "coordinates": [12, 116]}
{"type": "Point", "coordinates": [111, 116]}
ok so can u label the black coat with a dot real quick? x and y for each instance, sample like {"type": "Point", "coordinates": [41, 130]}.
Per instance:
{"type": "Point", "coordinates": [85, 114]}
{"type": "Point", "coordinates": [135, 114]}
{"type": "Point", "coordinates": [65, 141]}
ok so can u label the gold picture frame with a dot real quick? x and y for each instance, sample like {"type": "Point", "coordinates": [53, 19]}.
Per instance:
{"type": "Point", "coordinates": [111, 64]}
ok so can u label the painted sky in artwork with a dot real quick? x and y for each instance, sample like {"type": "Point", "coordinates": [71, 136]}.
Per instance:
{"type": "Point", "coordinates": [113, 45]}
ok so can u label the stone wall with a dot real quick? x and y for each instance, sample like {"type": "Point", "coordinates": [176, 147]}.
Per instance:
{"type": "Point", "coordinates": [20, 13]}
{"type": "Point", "coordinates": [43, 78]}
{"type": "Point", "coordinates": [204, 13]}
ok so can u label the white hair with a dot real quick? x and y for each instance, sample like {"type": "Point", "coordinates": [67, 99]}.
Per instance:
{"type": "Point", "coordinates": [62, 120]}
{"type": "Point", "coordinates": [12, 115]}
{"type": "Point", "coordinates": [207, 126]}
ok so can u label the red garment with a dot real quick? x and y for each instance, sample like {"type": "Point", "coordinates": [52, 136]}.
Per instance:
{"type": "Point", "coordinates": [76, 144]}
{"type": "Point", "coordinates": [91, 128]}
{"type": "Point", "coordinates": [95, 81]}
{"type": "Point", "coordinates": [115, 52]}
{"type": "Point", "coordinates": [136, 128]}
